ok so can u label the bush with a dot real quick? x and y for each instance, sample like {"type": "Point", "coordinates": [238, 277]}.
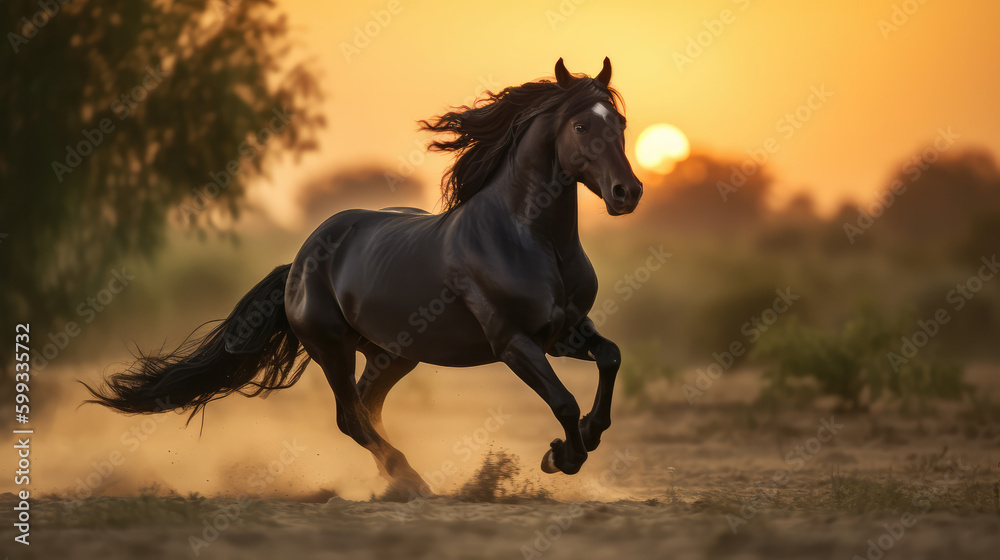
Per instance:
{"type": "Point", "coordinates": [851, 363]}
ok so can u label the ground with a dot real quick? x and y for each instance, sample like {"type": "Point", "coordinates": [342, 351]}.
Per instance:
{"type": "Point", "coordinates": [713, 479]}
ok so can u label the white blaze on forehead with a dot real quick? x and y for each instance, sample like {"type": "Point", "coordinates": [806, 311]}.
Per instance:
{"type": "Point", "coordinates": [601, 109]}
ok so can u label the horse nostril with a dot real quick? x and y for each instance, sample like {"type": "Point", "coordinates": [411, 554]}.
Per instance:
{"type": "Point", "coordinates": [618, 192]}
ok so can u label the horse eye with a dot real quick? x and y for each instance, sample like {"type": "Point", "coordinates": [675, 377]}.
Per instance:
{"type": "Point", "coordinates": [580, 128]}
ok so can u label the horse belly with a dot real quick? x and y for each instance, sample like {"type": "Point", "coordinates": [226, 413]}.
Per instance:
{"type": "Point", "coordinates": [436, 333]}
{"type": "Point", "coordinates": [421, 321]}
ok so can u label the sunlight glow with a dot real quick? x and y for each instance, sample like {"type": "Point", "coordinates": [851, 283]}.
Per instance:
{"type": "Point", "coordinates": [660, 147]}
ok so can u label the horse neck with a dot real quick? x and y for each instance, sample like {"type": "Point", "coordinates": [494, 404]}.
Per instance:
{"type": "Point", "coordinates": [536, 192]}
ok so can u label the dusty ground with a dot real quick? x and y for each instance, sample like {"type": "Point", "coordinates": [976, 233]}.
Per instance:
{"type": "Point", "coordinates": [711, 480]}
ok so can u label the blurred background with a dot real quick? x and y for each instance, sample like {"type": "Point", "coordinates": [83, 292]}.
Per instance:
{"type": "Point", "coordinates": [823, 177]}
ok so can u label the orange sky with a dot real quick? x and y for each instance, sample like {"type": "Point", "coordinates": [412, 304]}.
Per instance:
{"type": "Point", "coordinates": [890, 96]}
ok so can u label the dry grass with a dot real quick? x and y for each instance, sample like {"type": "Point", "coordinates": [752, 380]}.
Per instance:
{"type": "Point", "coordinates": [859, 495]}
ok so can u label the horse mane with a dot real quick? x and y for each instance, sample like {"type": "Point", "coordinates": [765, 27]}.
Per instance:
{"type": "Point", "coordinates": [486, 133]}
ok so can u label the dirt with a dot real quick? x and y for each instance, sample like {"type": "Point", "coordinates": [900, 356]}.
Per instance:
{"type": "Point", "coordinates": [716, 479]}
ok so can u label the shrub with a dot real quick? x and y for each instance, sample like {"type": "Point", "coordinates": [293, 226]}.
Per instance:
{"type": "Point", "coordinates": [803, 362]}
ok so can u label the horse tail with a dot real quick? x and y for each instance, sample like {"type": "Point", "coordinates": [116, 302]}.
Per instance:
{"type": "Point", "coordinates": [253, 351]}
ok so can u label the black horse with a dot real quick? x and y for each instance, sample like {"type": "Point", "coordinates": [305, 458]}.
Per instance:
{"type": "Point", "coordinates": [500, 275]}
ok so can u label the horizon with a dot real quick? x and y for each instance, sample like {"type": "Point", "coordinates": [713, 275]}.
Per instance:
{"type": "Point", "coordinates": [753, 76]}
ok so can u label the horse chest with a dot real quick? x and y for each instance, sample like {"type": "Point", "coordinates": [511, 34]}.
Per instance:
{"type": "Point", "coordinates": [563, 299]}
{"type": "Point", "coordinates": [579, 284]}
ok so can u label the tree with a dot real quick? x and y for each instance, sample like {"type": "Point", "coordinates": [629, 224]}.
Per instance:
{"type": "Point", "coordinates": [708, 195]}
{"type": "Point", "coordinates": [122, 115]}
{"type": "Point", "coordinates": [358, 187]}
{"type": "Point", "coordinates": [940, 197]}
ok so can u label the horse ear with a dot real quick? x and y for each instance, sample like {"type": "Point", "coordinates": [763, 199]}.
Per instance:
{"type": "Point", "coordinates": [562, 74]}
{"type": "Point", "coordinates": [605, 76]}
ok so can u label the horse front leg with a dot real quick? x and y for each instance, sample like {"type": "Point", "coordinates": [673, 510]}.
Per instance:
{"type": "Point", "coordinates": [584, 343]}
{"type": "Point", "coordinates": [527, 360]}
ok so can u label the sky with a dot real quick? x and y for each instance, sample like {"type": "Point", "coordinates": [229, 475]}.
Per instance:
{"type": "Point", "coordinates": [867, 83]}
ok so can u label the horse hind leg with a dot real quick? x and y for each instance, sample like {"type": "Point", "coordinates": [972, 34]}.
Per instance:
{"type": "Point", "coordinates": [334, 348]}
{"type": "Point", "coordinates": [357, 422]}
{"type": "Point", "coordinates": [383, 370]}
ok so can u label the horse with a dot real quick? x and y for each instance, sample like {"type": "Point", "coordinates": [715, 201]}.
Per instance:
{"type": "Point", "coordinates": [499, 275]}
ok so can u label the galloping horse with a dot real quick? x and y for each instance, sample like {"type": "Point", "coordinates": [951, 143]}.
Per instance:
{"type": "Point", "coordinates": [500, 275]}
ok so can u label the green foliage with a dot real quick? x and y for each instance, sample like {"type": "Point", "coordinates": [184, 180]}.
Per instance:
{"type": "Point", "coordinates": [852, 363]}
{"type": "Point", "coordinates": [200, 79]}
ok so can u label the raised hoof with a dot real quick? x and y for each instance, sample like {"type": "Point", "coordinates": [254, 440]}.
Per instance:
{"type": "Point", "coordinates": [555, 459]}
{"type": "Point", "coordinates": [549, 463]}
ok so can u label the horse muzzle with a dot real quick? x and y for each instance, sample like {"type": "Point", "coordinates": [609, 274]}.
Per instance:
{"type": "Point", "coordinates": [623, 198]}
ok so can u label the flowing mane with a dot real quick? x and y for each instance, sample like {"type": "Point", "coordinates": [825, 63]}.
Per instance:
{"type": "Point", "coordinates": [487, 132]}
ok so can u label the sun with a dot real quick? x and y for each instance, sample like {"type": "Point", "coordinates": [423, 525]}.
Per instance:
{"type": "Point", "coordinates": [660, 147]}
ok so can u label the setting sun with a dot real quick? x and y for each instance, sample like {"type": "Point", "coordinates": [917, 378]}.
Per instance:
{"type": "Point", "coordinates": [660, 147]}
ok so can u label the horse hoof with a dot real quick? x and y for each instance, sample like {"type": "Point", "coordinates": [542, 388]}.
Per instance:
{"type": "Point", "coordinates": [405, 489]}
{"type": "Point", "coordinates": [549, 463]}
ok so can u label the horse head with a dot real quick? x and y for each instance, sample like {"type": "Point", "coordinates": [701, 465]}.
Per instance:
{"type": "Point", "coordinates": [590, 143]}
